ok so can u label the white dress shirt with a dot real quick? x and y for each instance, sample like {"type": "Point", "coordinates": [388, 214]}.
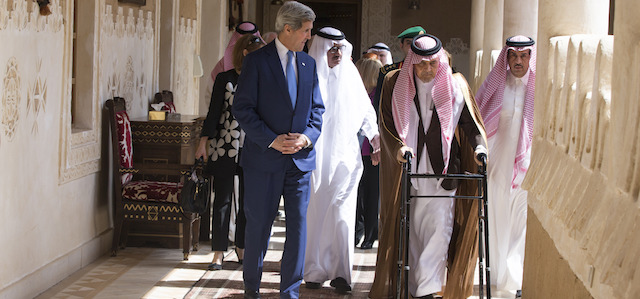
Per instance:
{"type": "Point", "coordinates": [282, 54]}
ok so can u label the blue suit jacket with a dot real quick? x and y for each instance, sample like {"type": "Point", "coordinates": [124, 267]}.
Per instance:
{"type": "Point", "coordinates": [262, 106]}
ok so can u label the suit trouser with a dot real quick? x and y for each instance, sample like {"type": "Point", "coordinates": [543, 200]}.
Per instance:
{"type": "Point", "coordinates": [368, 202]}
{"type": "Point", "coordinates": [223, 189]}
{"type": "Point", "coordinates": [262, 198]}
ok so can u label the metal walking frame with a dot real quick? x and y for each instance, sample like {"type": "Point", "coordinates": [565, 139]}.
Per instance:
{"type": "Point", "coordinates": [484, 272]}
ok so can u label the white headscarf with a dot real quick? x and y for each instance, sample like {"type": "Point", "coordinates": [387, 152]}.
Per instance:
{"type": "Point", "coordinates": [348, 109]}
{"type": "Point", "coordinates": [318, 50]}
{"type": "Point", "coordinates": [490, 96]}
{"type": "Point", "coordinates": [381, 47]}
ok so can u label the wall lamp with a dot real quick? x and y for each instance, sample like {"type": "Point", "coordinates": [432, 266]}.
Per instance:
{"type": "Point", "coordinates": [414, 4]}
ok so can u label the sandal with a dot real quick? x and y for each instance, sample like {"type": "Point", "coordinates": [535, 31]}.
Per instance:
{"type": "Point", "coordinates": [216, 266]}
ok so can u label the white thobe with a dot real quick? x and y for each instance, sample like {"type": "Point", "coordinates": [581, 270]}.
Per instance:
{"type": "Point", "coordinates": [331, 215]}
{"type": "Point", "coordinates": [507, 206]}
{"type": "Point", "coordinates": [431, 219]}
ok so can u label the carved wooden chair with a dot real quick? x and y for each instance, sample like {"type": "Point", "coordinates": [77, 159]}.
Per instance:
{"type": "Point", "coordinates": [144, 200]}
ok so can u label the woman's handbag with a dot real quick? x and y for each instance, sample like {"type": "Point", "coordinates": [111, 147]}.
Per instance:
{"type": "Point", "coordinates": [196, 191]}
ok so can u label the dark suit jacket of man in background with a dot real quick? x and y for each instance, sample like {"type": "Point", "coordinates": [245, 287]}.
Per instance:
{"type": "Point", "coordinates": [265, 112]}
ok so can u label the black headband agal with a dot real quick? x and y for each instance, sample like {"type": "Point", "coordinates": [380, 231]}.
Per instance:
{"type": "Point", "coordinates": [331, 36]}
{"type": "Point", "coordinates": [517, 44]}
{"type": "Point", "coordinates": [425, 52]}
{"type": "Point", "coordinates": [252, 31]}
{"type": "Point", "coordinates": [380, 48]}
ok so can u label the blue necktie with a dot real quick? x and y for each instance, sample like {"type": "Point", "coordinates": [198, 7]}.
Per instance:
{"type": "Point", "coordinates": [291, 78]}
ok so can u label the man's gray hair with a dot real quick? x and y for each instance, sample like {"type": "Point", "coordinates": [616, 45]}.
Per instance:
{"type": "Point", "coordinates": [294, 14]}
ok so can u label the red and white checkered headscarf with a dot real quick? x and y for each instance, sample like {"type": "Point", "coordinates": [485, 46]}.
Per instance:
{"type": "Point", "coordinates": [226, 63]}
{"type": "Point", "coordinates": [491, 93]}
{"type": "Point", "coordinates": [405, 90]}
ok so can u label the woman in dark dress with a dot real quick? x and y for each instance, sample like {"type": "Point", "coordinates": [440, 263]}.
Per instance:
{"type": "Point", "coordinates": [368, 190]}
{"type": "Point", "coordinates": [221, 128]}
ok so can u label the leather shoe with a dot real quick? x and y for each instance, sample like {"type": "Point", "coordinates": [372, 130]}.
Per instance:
{"type": "Point", "coordinates": [430, 296]}
{"type": "Point", "coordinates": [249, 294]}
{"type": "Point", "coordinates": [341, 285]}
{"type": "Point", "coordinates": [366, 245]}
{"type": "Point", "coordinates": [312, 285]}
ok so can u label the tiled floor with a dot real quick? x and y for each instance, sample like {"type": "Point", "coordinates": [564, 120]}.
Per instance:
{"type": "Point", "coordinates": [160, 273]}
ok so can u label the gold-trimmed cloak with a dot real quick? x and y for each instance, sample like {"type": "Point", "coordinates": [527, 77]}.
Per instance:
{"type": "Point", "coordinates": [463, 248]}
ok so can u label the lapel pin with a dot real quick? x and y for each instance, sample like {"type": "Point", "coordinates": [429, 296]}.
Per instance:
{"type": "Point", "coordinates": [303, 64]}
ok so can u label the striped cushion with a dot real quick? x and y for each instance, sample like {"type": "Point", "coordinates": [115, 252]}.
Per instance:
{"type": "Point", "coordinates": [152, 191]}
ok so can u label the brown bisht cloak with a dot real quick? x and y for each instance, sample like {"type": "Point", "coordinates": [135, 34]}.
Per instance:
{"type": "Point", "coordinates": [463, 249]}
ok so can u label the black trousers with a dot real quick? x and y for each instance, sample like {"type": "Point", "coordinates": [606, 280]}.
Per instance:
{"type": "Point", "coordinates": [368, 202]}
{"type": "Point", "coordinates": [223, 185]}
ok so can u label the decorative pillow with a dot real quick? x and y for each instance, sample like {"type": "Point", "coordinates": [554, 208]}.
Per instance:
{"type": "Point", "coordinates": [125, 144]}
{"type": "Point", "coordinates": [152, 191]}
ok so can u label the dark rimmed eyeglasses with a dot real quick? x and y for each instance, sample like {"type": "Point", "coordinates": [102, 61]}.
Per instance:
{"type": "Point", "coordinates": [336, 48]}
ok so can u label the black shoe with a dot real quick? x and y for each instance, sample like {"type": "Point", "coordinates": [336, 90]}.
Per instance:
{"type": "Point", "coordinates": [430, 296]}
{"type": "Point", "coordinates": [366, 245]}
{"type": "Point", "coordinates": [341, 285]}
{"type": "Point", "coordinates": [312, 285]}
{"type": "Point", "coordinates": [249, 294]}
{"type": "Point", "coordinates": [214, 267]}
{"type": "Point", "coordinates": [519, 294]}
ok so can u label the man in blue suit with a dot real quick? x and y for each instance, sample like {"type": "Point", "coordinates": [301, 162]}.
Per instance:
{"type": "Point", "coordinates": [278, 105]}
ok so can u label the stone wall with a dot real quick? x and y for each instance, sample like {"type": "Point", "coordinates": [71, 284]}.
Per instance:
{"type": "Point", "coordinates": [583, 180]}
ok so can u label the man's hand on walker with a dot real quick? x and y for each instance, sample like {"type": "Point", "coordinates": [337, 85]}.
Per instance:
{"type": "Point", "coordinates": [480, 154]}
{"type": "Point", "coordinates": [401, 152]}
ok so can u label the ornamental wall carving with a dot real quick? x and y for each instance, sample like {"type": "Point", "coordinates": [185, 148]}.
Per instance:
{"type": "Point", "coordinates": [126, 58]}
{"type": "Point", "coordinates": [185, 85]}
{"type": "Point", "coordinates": [24, 94]}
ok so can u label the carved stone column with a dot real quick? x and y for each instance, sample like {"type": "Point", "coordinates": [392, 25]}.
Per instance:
{"type": "Point", "coordinates": [520, 18]}
{"type": "Point", "coordinates": [476, 39]}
